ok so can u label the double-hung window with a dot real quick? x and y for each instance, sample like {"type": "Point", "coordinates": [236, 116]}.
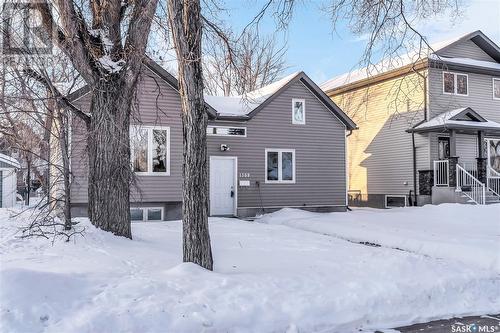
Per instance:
{"type": "Point", "coordinates": [280, 166]}
{"type": "Point", "coordinates": [150, 150]}
{"type": "Point", "coordinates": [496, 88]}
{"type": "Point", "coordinates": [455, 83]}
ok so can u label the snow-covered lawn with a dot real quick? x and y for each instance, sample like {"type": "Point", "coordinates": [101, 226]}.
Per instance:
{"type": "Point", "coordinates": [292, 271]}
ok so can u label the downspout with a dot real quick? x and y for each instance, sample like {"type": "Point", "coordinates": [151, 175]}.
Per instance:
{"type": "Point", "coordinates": [414, 169]}
{"type": "Point", "coordinates": [347, 171]}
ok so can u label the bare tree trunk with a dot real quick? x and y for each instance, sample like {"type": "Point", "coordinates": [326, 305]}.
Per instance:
{"type": "Point", "coordinates": [109, 157]}
{"type": "Point", "coordinates": [64, 146]}
{"type": "Point", "coordinates": [185, 22]}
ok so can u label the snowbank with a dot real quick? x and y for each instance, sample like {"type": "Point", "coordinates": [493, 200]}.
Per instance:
{"type": "Point", "coordinates": [267, 278]}
{"type": "Point", "coordinates": [465, 233]}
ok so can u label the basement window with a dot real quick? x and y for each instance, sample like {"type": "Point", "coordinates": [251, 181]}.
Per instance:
{"type": "Point", "coordinates": [393, 201]}
{"type": "Point", "coordinates": [146, 214]}
{"type": "Point", "coordinates": [226, 131]}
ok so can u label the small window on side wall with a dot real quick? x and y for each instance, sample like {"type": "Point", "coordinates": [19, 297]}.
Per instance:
{"type": "Point", "coordinates": [280, 166]}
{"type": "Point", "coordinates": [298, 111]}
{"type": "Point", "coordinates": [496, 88]}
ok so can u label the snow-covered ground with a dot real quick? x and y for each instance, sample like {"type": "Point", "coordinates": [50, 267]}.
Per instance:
{"type": "Point", "coordinates": [292, 271]}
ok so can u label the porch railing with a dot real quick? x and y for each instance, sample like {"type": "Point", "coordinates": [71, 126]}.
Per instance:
{"type": "Point", "coordinates": [471, 168]}
{"type": "Point", "coordinates": [493, 181]}
{"type": "Point", "coordinates": [441, 170]}
{"type": "Point", "coordinates": [470, 186]}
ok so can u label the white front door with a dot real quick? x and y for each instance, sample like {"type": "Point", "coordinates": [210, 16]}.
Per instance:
{"type": "Point", "coordinates": [222, 185]}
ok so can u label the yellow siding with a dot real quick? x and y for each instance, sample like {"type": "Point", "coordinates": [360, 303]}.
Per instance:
{"type": "Point", "coordinates": [380, 157]}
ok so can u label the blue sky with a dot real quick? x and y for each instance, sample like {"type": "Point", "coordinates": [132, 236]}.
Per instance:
{"type": "Point", "coordinates": [322, 53]}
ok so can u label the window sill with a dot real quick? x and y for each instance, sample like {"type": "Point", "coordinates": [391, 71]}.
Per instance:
{"type": "Point", "coordinates": [280, 181]}
{"type": "Point", "coordinates": [154, 174]}
{"type": "Point", "coordinates": [447, 93]}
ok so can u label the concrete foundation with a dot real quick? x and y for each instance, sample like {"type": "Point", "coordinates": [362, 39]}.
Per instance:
{"type": "Point", "coordinates": [253, 211]}
{"type": "Point", "coordinates": [446, 195]}
{"type": "Point", "coordinates": [171, 210]}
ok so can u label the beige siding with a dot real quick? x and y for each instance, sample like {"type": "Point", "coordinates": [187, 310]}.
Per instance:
{"type": "Point", "coordinates": [319, 147]}
{"type": "Point", "coordinates": [380, 159]}
{"type": "Point", "coordinates": [466, 49]}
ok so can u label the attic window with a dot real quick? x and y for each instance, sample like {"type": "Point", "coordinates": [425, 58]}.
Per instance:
{"type": "Point", "coordinates": [298, 111]}
{"type": "Point", "coordinates": [226, 131]}
{"type": "Point", "coordinates": [455, 83]}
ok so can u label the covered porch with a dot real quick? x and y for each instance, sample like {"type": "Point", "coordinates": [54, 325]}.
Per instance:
{"type": "Point", "coordinates": [471, 175]}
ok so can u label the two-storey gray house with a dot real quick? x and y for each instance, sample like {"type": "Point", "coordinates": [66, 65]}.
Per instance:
{"type": "Point", "coordinates": [429, 126]}
{"type": "Point", "coordinates": [280, 146]}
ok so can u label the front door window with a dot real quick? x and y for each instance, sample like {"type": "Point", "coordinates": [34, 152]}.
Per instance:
{"type": "Point", "coordinates": [494, 154]}
{"type": "Point", "coordinates": [443, 148]}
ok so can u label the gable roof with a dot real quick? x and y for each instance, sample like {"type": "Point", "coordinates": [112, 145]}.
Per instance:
{"type": "Point", "coordinates": [463, 118]}
{"type": "Point", "coordinates": [242, 108]}
{"type": "Point", "coordinates": [246, 107]}
{"type": "Point", "coordinates": [155, 68]}
{"type": "Point", "coordinates": [242, 105]}
{"type": "Point", "coordinates": [386, 67]}
{"type": "Point", "coordinates": [9, 160]}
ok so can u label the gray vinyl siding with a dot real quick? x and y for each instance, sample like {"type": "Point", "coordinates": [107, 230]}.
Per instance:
{"type": "Point", "coordinates": [466, 147]}
{"type": "Point", "coordinates": [380, 154]}
{"type": "Point", "coordinates": [319, 153]}
{"type": "Point", "coordinates": [5, 165]}
{"type": "Point", "coordinates": [480, 97]}
{"type": "Point", "coordinates": [158, 105]}
{"type": "Point", "coordinates": [319, 145]}
{"type": "Point", "coordinates": [466, 49]}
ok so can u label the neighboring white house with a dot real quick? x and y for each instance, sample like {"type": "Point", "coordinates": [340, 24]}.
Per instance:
{"type": "Point", "coordinates": [8, 180]}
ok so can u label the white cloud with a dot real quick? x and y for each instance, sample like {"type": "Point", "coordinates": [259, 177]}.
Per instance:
{"type": "Point", "coordinates": [481, 15]}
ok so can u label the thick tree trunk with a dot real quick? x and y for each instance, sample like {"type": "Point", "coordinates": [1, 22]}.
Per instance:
{"type": "Point", "coordinates": [185, 21]}
{"type": "Point", "coordinates": [109, 157]}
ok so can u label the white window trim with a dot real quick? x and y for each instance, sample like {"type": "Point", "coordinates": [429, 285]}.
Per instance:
{"type": "Point", "coordinates": [396, 196]}
{"type": "Point", "coordinates": [145, 213]}
{"type": "Point", "coordinates": [280, 162]}
{"type": "Point", "coordinates": [232, 136]}
{"type": "Point", "coordinates": [303, 101]}
{"type": "Point", "coordinates": [455, 87]}
{"type": "Point", "coordinates": [150, 151]}
{"type": "Point", "coordinates": [493, 87]}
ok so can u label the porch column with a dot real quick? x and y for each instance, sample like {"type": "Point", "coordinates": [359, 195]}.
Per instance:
{"type": "Point", "coordinates": [481, 159]}
{"type": "Point", "coordinates": [453, 159]}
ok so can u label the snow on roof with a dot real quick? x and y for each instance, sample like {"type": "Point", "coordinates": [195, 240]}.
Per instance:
{"type": "Point", "coordinates": [242, 105]}
{"type": "Point", "coordinates": [9, 160]}
{"type": "Point", "coordinates": [445, 119]}
{"type": "Point", "coordinates": [387, 65]}
{"type": "Point", "coordinates": [468, 62]}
